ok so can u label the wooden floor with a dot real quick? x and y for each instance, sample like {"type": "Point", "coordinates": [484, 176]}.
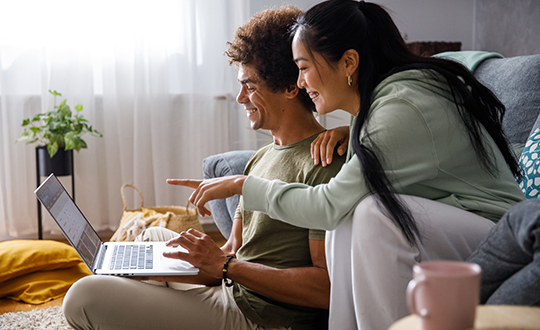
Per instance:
{"type": "Point", "coordinates": [8, 305]}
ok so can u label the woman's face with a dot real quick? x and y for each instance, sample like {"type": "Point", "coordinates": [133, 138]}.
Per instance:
{"type": "Point", "coordinates": [326, 85]}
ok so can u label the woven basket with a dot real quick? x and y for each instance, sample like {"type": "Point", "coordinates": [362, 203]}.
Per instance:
{"type": "Point", "coordinates": [175, 218]}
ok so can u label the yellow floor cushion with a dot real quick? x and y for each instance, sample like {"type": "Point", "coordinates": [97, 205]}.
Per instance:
{"type": "Point", "coordinates": [37, 271]}
{"type": "Point", "coordinates": [42, 286]}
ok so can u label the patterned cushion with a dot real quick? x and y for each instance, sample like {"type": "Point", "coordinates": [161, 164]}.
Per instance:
{"type": "Point", "coordinates": [529, 162]}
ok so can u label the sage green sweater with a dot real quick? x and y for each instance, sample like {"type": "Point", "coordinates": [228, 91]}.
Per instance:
{"type": "Point", "coordinates": [424, 148]}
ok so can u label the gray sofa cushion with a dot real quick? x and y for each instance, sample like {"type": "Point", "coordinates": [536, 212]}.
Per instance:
{"type": "Point", "coordinates": [516, 82]}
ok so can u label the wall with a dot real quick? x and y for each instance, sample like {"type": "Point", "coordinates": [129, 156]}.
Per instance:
{"type": "Point", "coordinates": [419, 20]}
{"type": "Point", "coordinates": [509, 27]}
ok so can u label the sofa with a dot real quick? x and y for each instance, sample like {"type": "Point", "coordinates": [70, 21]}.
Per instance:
{"type": "Point", "coordinates": [514, 80]}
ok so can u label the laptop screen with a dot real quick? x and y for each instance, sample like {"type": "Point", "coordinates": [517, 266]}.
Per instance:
{"type": "Point", "coordinates": [70, 219]}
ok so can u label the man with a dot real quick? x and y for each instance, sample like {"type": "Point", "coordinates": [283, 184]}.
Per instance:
{"type": "Point", "coordinates": [279, 271]}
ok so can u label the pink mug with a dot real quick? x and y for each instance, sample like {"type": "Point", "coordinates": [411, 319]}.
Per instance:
{"type": "Point", "coordinates": [444, 294]}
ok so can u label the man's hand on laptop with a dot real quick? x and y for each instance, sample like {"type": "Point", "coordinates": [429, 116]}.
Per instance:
{"type": "Point", "coordinates": [202, 252]}
{"type": "Point", "coordinates": [207, 190]}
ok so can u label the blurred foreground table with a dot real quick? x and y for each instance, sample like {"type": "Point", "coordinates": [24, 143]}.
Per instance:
{"type": "Point", "coordinates": [492, 317]}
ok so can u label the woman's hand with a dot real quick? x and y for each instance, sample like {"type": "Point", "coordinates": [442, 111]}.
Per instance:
{"type": "Point", "coordinates": [322, 148]}
{"type": "Point", "coordinates": [207, 190]}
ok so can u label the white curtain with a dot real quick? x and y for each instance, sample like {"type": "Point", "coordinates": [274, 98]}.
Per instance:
{"type": "Point", "coordinates": [151, 76]}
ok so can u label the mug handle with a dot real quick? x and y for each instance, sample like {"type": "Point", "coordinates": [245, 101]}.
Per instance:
{"type": "Point", "coordinates": [411, 300]}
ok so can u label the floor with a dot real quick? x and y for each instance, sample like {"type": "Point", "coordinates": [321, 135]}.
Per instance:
{"type": "Point", "coordinates": [8, 305]}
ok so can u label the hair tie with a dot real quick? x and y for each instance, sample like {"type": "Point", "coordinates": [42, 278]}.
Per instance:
{"type": "Point", "coordinates": [361, 5]}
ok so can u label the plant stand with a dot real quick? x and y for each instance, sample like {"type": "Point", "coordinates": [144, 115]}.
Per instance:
{"type": "Point", "coordinates": [61, 165]}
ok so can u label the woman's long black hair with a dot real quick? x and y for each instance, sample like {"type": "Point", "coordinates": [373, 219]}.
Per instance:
{"type": "Point", "coordinates": [332, 27]}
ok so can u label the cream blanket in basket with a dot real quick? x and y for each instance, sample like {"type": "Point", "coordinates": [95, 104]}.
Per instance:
{"type": "Point", "coordinates": [134, 222]}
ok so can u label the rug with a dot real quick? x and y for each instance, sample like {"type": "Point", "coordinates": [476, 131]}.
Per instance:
{"type": "Point", "coordinates": [38, 319]}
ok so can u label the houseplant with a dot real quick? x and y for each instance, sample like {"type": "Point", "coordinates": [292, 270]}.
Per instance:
{"type": "Point", "coordinates": [57, 129]}
{"type": "Point", "coordinates": [57, 133]}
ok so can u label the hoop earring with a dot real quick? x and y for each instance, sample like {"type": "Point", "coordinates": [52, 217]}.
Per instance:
{"type": "Point", "coordinates": [349, 80]}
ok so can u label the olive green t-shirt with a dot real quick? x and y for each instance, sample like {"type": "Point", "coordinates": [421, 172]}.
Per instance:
{"type": "Point", "coordinates": [275, 243]}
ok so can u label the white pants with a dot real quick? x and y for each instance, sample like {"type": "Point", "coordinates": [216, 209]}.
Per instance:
{"type": "Point", "coordinates": [370, 261]}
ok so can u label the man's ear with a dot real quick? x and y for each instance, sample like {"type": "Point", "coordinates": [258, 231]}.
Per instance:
{"type": "Point", "coordinates": [292, 91]}
{"type": "Point", "coordinates": [350, 61]}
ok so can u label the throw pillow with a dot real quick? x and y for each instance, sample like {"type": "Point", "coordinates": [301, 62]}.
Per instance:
{"type": "Point", "coordinates": [20, 257]}
{"type": "Point", "coordinates": [529, 162]}
{"type": "Point", "coordinates": [40, 287]}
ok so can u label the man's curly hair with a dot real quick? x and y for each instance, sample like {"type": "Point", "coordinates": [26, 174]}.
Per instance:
{"type": "Point", "coordinates": [264, 42]}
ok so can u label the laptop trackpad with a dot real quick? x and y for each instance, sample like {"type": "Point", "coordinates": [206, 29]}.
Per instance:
{"type": "Point", "coordinates": [171, 263]}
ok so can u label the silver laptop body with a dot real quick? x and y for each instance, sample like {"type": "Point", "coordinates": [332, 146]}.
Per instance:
{"type": "Point", "coordinates": [110, 258]}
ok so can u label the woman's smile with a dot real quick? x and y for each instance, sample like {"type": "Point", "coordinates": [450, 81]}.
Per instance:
{"type": "Point", "coordinates": [313, 95]}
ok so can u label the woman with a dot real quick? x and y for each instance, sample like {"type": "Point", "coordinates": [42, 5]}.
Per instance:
{"type": "Point", "coordinates": [429, 164]}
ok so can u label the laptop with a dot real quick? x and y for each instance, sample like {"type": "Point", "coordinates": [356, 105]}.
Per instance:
{"type": "Point", "coordinates": [109, 258]}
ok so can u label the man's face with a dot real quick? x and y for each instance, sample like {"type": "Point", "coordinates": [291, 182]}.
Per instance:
{"type": "Point", "coordinates": [262, 106]}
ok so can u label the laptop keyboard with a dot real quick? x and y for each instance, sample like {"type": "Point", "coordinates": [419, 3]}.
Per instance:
{"type": "Point", "coordinates": [132, 257]}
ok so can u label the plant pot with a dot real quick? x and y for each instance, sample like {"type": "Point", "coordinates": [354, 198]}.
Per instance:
{"type": "Point", "coordinates": [61, 164]}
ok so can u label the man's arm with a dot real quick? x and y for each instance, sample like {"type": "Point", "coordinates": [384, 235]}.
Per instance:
{"type": "Point", "coordinates": [305, 286]}
{"type": "Point", "coordinates": [235, 240]}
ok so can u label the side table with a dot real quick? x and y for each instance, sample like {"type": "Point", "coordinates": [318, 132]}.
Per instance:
{"type": "Point", "coordinates": [492, 317]}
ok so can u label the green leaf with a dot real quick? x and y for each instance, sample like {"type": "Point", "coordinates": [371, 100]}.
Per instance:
{"type": "Point", "coordinates": [55, 93]}
{"type": "Point", "coordinates": [70, 144]}
{"type": "Point", "coordinates": [52, 149]}
{"type": "Point", "coordinates": [81, 145]}
{"type": "Point", "coordinates": [23, 137]}
{"type": "Point", "coordinates": [35, 129]}
{"type": "Point", "coordinates": [62, 105]}
{"type": "Point", "coordinates": [69, 140]}
{"type": "Point", "coordinates": [74, 141]}
{"type": "Point", "coordinates": [65, 112]}
{"type": "Point", "coordinates": [71, 135]}
{"type": "Point", "coordinates": [25, 122]}
{"type": "Point", "coordinates": [79, 107]}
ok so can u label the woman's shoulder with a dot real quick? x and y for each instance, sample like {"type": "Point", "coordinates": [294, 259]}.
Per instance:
{"type": "Point", "coordinates": [416, 87]}
{"type": "Point", "coordinates": [414, 79]}
{"type": "Point", "coordinates": [412, 100]}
